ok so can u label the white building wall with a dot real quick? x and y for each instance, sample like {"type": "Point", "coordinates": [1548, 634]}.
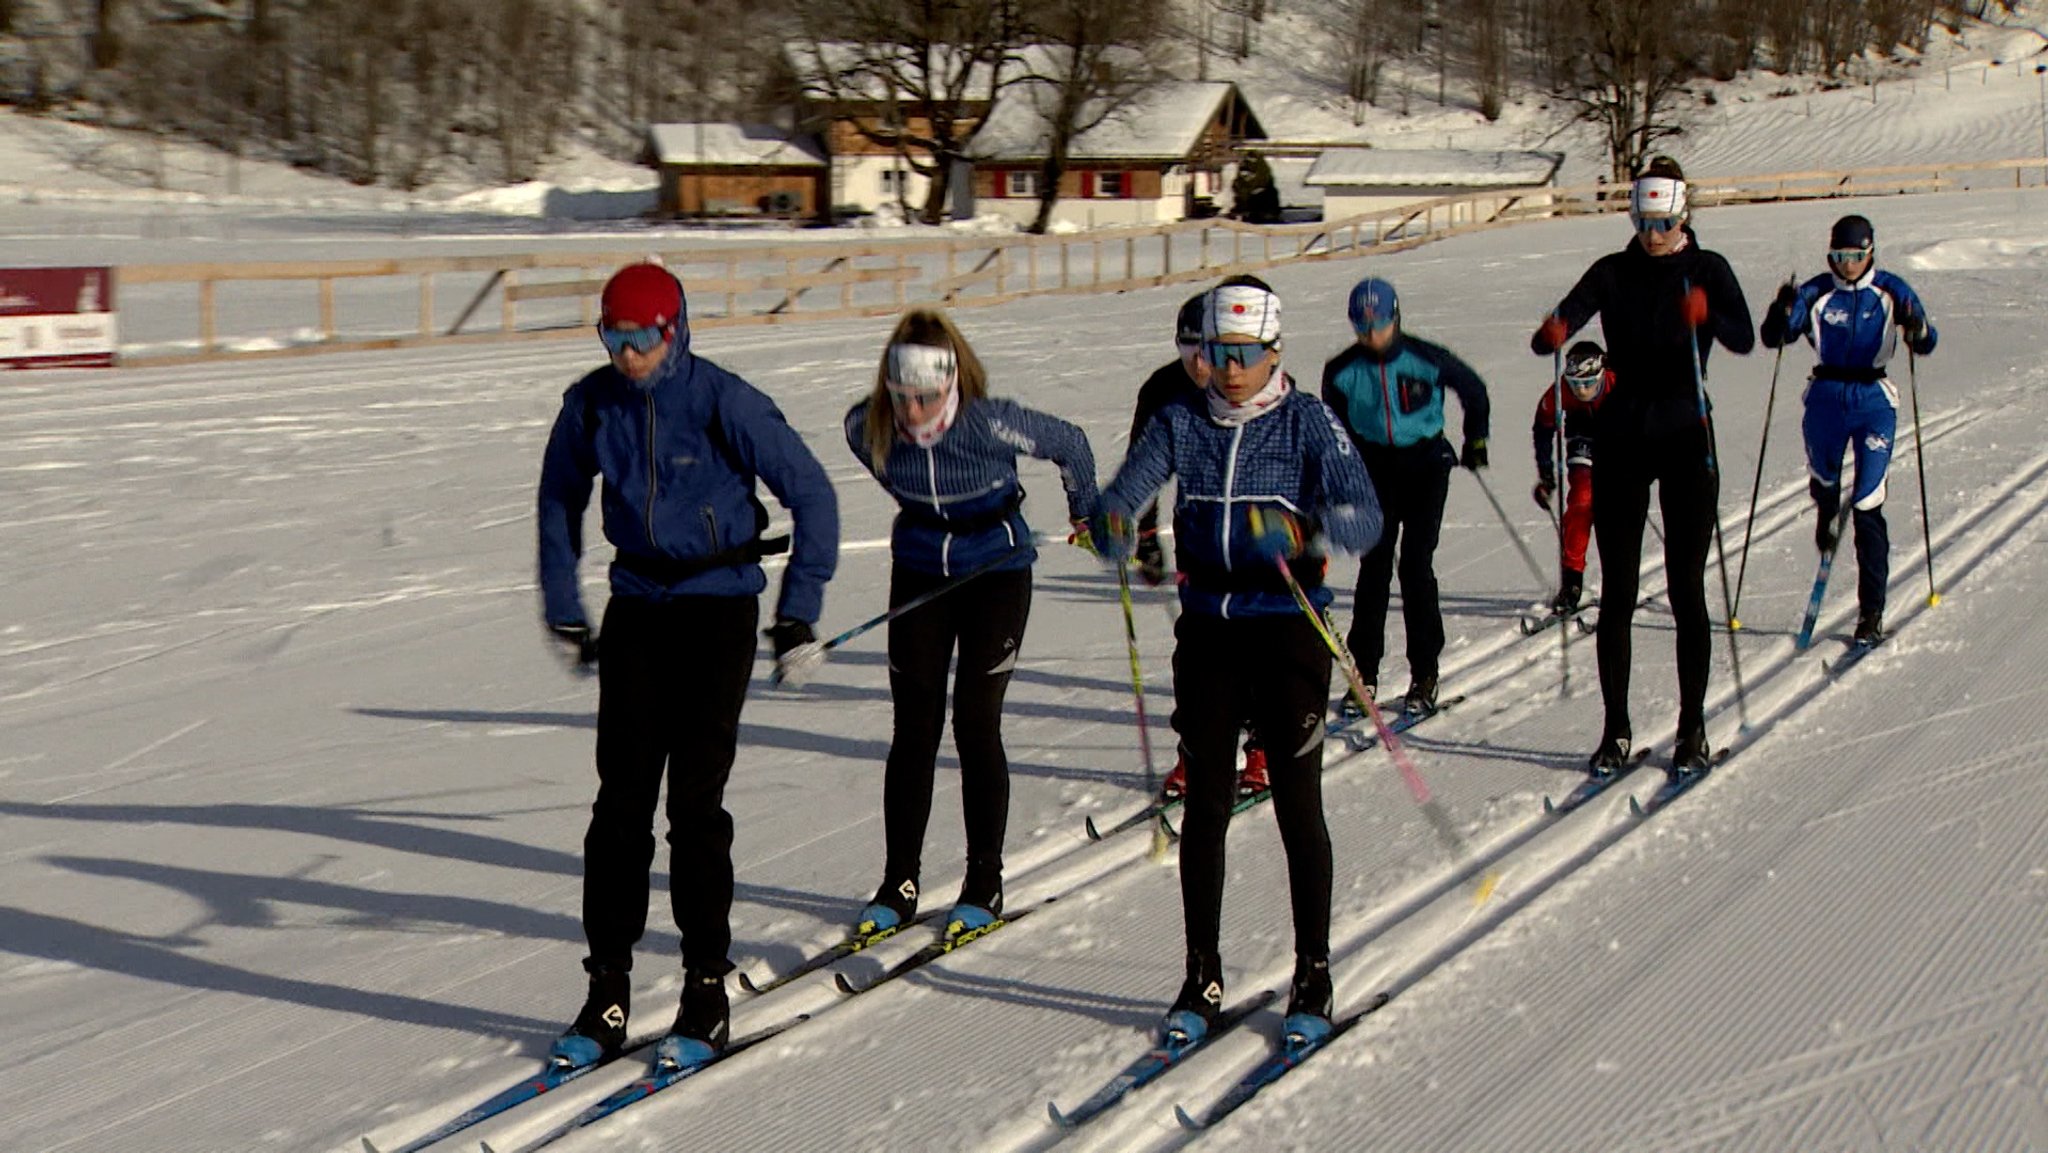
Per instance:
{"type": "Point", "coordinates": [861, 182]}
{"type": "Point", "coordinates": [1341, 203]}
{"type": "Point", "coordinates": [1086, 214]}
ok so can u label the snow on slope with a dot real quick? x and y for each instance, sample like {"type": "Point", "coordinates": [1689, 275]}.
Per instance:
{"type": "Point", "coordinates": [291, 792]}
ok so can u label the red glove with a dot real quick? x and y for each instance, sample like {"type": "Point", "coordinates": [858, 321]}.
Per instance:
{"type": "Point", "coordinates": [1550, 336]}
{"type": "Point", "coordinates": [1695, 309]}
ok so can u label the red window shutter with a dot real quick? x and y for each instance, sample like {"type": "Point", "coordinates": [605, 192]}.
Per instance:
{"type": "Point", "coordinates": [1127, 182]}
{"type": "Point", "coordinates": [1087, 183]}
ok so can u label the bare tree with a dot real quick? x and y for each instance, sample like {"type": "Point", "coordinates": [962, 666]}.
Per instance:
{"type": "Point", "coordinates": [1369, 34]}
{"type": "Point", "coordinates": [933, 67]}
{"type": "Point", "coordinates": [1087, 66]}
{"type": "Point", "coordinates": [1486, 34]}
{"type": "Point", "coordinates": [1629, 70]}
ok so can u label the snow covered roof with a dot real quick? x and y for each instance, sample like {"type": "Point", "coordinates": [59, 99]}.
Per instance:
{"type": "Point", "coordinates": [723, 143]}
{"type": "Point", "coordinates": [1163, 122]}
{"type": "Point", "coordinates": [1431, 167]}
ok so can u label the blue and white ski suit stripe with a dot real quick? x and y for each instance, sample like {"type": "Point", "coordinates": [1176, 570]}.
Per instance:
{"type": "Point", "coordinates": [1294, 456]}
{"type": "Point", "coordinates": [960, 499]}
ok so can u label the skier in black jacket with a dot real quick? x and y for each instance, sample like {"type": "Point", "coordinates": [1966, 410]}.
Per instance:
{"type": "Point", "coordinates": [1662, 301]}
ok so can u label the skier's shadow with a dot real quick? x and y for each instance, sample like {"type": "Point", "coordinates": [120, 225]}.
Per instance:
{"type": "Point", "coordinates": [1131, 1012]}
{"type": "Point", "coordinates": [71, 942]}
{"type": "Point", "coordinates": [1481, 751]}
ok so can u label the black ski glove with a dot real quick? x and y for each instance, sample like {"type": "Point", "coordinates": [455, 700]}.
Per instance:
{"type": "Point", "coordinates": [786, 634]}
{"type": "Point", "coordinates": [797, 651]}
{"type": "Point", "coordinates": [1546, 487]}
{"type": "Point", "coordinates": [579, 645]}
{"type": "Point", "coordinates": [1474, 455]}
{"type": "Point", "coordinates": [1788, 295]}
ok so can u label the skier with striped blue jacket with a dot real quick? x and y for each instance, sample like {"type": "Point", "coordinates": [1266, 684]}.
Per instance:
{"type": "Point", "coordinates": [1266, 476]}
{"type": "Point", "coordinates": [1853, 315]}
{"type": "Point", "coordinates": [947, 452]}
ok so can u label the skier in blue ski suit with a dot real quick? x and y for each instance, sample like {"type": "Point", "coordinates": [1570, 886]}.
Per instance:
{"type": "Point", "coordinates": [680, 443]}
{"type": "Point", "coordinates": [1264, 469]}
{"type": "Point", "coordinates": [1853, 315]}
{"type": "Point", "coordinates": [947, 452]}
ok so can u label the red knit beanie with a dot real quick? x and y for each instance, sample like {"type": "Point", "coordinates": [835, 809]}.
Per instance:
{"type": "Point", "coordinates": [642, 296]}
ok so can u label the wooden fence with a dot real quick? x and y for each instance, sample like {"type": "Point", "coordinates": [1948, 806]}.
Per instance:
{"type": "Point", "coordinates": [551, 295]}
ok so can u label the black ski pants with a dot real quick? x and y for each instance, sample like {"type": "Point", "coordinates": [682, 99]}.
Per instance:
{"type": "Point", "coordinates": [1412, 484]}
{"type": "Point", "coordinates": [984, 619]}
{"type": "Point", "coordinates": [1271, 673]}
{"type": "Point", "coordinates": [1625, 464]}
{"type": "Point", "coordinates": [671, 681]}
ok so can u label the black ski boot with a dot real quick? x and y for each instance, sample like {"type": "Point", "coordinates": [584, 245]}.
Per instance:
{"type": "Point", "coordinates": [1870, 627]}
{"type": "Point", "coordinates": [1310, 1005]}
{"type": "Point", "coordinates": [894, 905]}
{"type": "Point", "coordinates": [1421, 696]}
{"type": "Point", "coordinates": [599, 1032]}
{"type": "Point", "coordinates": [1691, 756]}
{"type": "Point", "coordinates": [1569, 590]}
{"type": "Point", "coordinates": [1200, 1000]}
{"type": "Point", "coordinates": [1612, 755]}
{"type": "Point", "coordinates": [703, 1023]}
{"type": "Point", "coordinates": [981, 898]}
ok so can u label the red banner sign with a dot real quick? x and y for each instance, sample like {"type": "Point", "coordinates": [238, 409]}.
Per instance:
{"type": "Point", "coordinates": [57, 318]}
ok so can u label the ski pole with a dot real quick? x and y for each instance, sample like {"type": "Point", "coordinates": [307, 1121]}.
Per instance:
{"type": "Point", "coordinates": [1123, 588]}
{"type": "Point", "coordinates": [795, 668]}
{"type": "Point", "coordinates": [1560, 470]}
{"type": "Point", "coordinates": [1439, 820]}
{"type": "Point", "coordinates": [1528, 557]}
{"type": "Point", "coordinates": [1920, 462]}
{"type": "Point", "coordinates": [1699, 381]}
{"type": "Point", "coordinates": [1756, 486]}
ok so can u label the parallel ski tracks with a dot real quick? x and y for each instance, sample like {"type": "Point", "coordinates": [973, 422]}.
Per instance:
{"type": "Point", "coordinates": [1988, 524]}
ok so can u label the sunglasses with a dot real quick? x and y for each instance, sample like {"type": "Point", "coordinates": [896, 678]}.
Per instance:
{"type": "Point", "coordinates": [1846, 255]}
{"type": "Point", "coordinates": [1659, 223]}
{"type": "Point", "coordinates": [643, 340]}
{"type": "Point", "coordinates": [1241, 355]}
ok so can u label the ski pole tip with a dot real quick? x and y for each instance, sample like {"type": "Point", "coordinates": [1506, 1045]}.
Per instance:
{"type": "Point", "coordinates": [1933, 599]}
{"type": "Point", "coordinates": [1734, 625]}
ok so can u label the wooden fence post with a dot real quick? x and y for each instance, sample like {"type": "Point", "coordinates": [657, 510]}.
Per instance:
{"type": "Point", "coordinates": [327, 308]}
{"type": "Point", "coordinates": [206, 316]}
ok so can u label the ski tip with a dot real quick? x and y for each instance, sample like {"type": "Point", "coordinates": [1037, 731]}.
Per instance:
{"type": "Point", "coordinates": [1549, 806]}
{"type": "Point", "coordinates": [845, 986]}
{"type": "Point", "coordinates": [1635, 807]}
{"type": "Point", "coordinates": [747, 982]}
{"type": "Point", "coordinates": [1058, 1118]}
{"type": "Point", "coordinates": [486, 1147]}
{"type": "Point", "coordinates": [368, 1147]}
{"type": "Point", "coordinates": [1094, 834]}
{"type": "Point", "coordinates": [1186, 1122]}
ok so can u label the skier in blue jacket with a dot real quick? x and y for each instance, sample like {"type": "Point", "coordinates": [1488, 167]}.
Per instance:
{"type": "Point", "coordinates": [947, 452]}
{"type": "Point", "coordinates": [1266, 475]}
{"type": "Point", "coordinates": [679, 442]}
{"type": "Point", "coordinates": [1388, 388]}
{"type": "Point", "coordinates": [1852, 315]}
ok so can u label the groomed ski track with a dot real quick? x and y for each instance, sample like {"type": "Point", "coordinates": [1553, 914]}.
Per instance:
{"type": "Point", "coordinates": [420, 819]}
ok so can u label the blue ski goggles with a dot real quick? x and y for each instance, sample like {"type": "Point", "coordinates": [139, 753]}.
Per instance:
{"type": "Point", "coordinates": [642, 340]}
{"type": "Point", "coordinates": [1658, 223]}
{"type": "Point", "coordinates": [1219, 354]}
{"type": "Point", "coordinates": [1846, 255]}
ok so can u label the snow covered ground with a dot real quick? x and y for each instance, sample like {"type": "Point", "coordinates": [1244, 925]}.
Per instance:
{"type": "Point", "coordinates": [291, 792]}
